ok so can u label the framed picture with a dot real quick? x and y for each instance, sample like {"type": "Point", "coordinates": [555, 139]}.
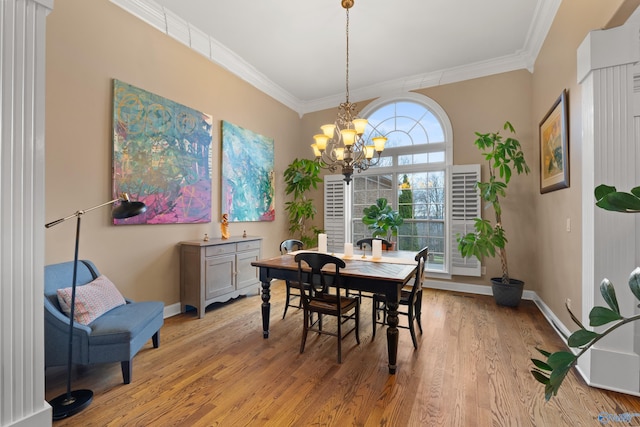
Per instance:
{"type": "Point", "coordinates": [248, 180]}
{"type": "Point", "coordinates": [161, 156]}
{"type": "Point", "coordinates": [554, 147]}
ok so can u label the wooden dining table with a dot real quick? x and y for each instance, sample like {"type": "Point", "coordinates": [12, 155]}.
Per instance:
{"type": "Point", "coordinates": [386, 275]}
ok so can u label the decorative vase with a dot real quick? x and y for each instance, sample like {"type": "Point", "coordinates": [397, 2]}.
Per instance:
{"type": "Point", "coordinates": [507, 295]}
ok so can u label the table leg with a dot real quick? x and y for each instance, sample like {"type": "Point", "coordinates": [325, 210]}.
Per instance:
{"type": "Point", "coordinates": [392, 334]}
{"type": "Point", "coordinates": [266, 308]}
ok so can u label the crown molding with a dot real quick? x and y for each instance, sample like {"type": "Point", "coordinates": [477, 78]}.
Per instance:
{"type": "Point", "coordinates": [166, 21]}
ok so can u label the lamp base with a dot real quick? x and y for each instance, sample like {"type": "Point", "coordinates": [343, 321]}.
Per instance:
{"type": "Point", "coordinates": [69, 404]}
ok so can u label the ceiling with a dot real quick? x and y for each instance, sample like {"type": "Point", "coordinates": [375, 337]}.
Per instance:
{"type": "Point", "coordinates": [296, 51]}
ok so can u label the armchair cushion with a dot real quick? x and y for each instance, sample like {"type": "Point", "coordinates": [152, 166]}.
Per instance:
{"type": "Point", "coordinates": [92, 300]}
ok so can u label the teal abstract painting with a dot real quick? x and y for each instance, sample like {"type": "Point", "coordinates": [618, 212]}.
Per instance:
{"type": "Point", "coordinates": [161, 156]}
{"type": "Point", "coordinates": [247, 175]}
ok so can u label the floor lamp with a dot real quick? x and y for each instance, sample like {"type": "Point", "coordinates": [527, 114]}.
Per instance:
{"type": "Point", "coordinates": [75, 401]}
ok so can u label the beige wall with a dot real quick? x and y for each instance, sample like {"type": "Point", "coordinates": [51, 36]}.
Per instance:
{"type": "Point", "coordinates": [559, 252]}
{"type": "Point", "coordinates": [90, 43]}
{"type": "Point", "coordinates": [483, 105]}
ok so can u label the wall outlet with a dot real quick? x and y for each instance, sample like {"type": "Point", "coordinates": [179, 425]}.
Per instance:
{"type": "Point", "coordinates": [568, 225]}
{"type": "Point", "coordinates": [483, 270]}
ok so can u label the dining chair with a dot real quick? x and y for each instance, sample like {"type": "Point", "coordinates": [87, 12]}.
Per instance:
{"type": "Point", "coordinates": [409, 298]}
{"type": "Point", "coordinates": [319, 298]}
{"type": "Point", "coordinates": [365, 243]}
{"type": "Point", "coordinates": [287, 246]}
{"type": "Point", "coordinates": [368, 242]}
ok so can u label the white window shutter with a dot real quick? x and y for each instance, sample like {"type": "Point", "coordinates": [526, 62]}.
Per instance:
{"type": "Point", "coordinates": [465, 207]}
{"type": "Point", "coordinates": [336, 207]}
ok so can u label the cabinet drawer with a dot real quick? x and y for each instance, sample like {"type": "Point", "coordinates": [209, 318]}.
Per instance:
{"type": "Point", "coordinates": [220, 249]}
{"type": "Point", "coordinates": [251, 244]}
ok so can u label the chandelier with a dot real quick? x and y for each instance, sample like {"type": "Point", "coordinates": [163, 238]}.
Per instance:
{"type": "Point", "coordinates": [341, 145]}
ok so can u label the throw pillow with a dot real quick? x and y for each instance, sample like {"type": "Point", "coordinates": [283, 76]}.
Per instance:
{"type": "Point", "coordinates": [92, 300]}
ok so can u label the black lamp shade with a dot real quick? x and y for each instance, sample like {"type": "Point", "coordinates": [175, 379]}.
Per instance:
{"type": "Point", "coordinates": [128, 209]}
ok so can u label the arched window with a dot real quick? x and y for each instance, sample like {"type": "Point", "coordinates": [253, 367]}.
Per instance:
{"type": "Point", "coordinates": [411, 174]}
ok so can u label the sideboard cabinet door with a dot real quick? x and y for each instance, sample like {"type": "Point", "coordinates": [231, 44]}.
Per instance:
{"type": "Point", "coordinates": [219, 274]}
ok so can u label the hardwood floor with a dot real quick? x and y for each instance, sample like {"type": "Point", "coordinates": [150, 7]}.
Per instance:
{"type": "Point", "coordinates": [471, 369]}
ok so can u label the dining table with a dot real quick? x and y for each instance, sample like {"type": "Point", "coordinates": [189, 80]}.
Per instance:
{"type": "Point", "coordinates": [386, 274]}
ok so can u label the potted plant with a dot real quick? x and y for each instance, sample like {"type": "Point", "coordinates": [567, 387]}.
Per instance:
{"type": "Point", "coordinates": [504, 156]}
{"type": "Point", "coordinates": [300, 176]}
{"type": "Point", "coordinates": [553, 371]}
{"type": "Point", "coordinates": [382, 219]}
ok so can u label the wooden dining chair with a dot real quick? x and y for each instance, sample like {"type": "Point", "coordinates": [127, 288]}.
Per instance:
{"type": "Point", "coordinates": [365, 243]}
{"type": "Point", "coordinates": [368, 243]}
{"type": "Point", "coordinates": [319, 298]}
{"type": "Point", "coordinates": [411, 299]}
{"type": "Point", "coordinates": [286, 246]}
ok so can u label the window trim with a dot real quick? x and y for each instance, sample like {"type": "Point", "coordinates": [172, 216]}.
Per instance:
{"type": "Point", "coordinates": [446, 146]}
{"type": "Point", "coordinates": [430, 104]}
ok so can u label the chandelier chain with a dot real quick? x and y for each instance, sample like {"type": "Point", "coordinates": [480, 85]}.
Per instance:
{"type": "Point", "coordinates": [347, 73]}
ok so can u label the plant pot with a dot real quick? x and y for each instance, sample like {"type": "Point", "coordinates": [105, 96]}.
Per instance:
{"type": "Point", "coordinates": [507, 295]}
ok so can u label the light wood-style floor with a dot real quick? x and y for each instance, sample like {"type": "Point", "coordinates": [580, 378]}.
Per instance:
{"type": "Point", "coordinates": [471, 369]}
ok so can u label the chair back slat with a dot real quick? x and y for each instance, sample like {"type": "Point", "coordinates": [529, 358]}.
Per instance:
{"type": "Point", "coordinates": [368, 242]}
{"type": "Point", "coordinates": [290, 245]}
{"type": "Point", "coordinates": [313, 274]}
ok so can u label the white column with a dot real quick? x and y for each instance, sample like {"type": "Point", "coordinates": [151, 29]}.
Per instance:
{"type": "Point", "coordinates": [610, 156]}
{"type": "Point", "coordinates": [22, 77]}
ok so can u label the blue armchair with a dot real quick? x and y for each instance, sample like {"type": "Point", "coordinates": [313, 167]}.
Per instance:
{"type": "Point", "coordinates": [115, 336]}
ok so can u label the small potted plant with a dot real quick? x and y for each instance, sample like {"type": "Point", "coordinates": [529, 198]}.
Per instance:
{"type": "Point", "coordinates": [382, 219]}
{"type": "Point", "coordinates": [504, 156]}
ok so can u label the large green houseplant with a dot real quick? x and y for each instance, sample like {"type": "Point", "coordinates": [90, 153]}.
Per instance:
{"type": "Point", "coordinates": [553, 371]}
{"type": "Point", "coordinates": [382, 219]}
{"type": "Point", "coordinates": [504, 156]}
{"type": "Point", "coordinates": [300, 177]}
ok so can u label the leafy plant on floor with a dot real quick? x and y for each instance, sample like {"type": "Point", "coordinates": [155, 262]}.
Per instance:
{"type": "Point", "coordinates": [300, 176]}
{"type": "Point", "coordinates": [504, 156]}
{"type": "Point", "coordinates": [553, 371]}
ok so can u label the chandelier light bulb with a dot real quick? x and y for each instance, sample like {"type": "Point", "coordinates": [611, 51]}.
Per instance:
{"type": "Point", "coordinates": [328, 130]}
{"type": "Point", "coordinates": [369, 151]}
{"type": "Point", "coordinates": [360, 125]}
{"type": "Point", "coordinates": [321, 141]}
{"type": "Point", "coordinates": [316, 150]}
{"type": "Point", "coordinates": [348, 137]}
{"type": "Point", "coordinates": [378, 143]}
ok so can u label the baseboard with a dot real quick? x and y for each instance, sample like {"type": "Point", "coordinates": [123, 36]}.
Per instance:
{"type": "Point", "coordinates": [458, 287]}
{"type": "Point", "coordinates": [592, 380]}
{"type": "Point", "coordinates": [41, 418]}
{"type": "Point", "coordinates": [469, 288]}
{"type": "Point", "coordinates": [171, 310]}
{"type": "Point", "coordinates": [553, 320]}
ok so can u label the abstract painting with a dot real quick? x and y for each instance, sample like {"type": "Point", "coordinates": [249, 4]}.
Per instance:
{"type": "Point", "coordinates": [161, 156]}
{"type": "Point", "coordinates": [247, 175]}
